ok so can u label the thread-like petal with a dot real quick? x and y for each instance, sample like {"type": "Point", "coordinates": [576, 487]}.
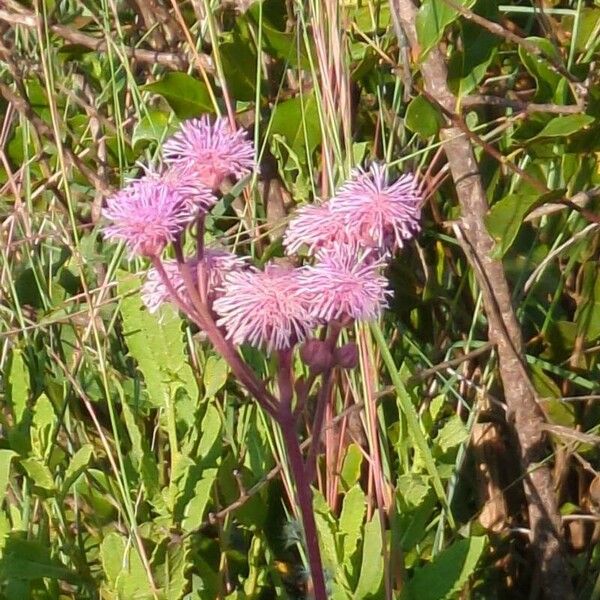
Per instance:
{"type": "Point", "coordinates": [212, 150]}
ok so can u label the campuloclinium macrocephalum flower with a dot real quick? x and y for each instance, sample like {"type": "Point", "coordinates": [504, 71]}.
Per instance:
{"type": "Point", "coordinates": [211, 150]}
{"type": "Point", "coordinates": [379, 214]}
{"type": "Point", "coordinates": [315, 226]}
{"type": "Point", "coordinates": [345, 283]}
{"type": "Point", "coordinates": [184, 182]}
{"type": "Point", "coordinates": [146, 215]}
{"type": "Point", "coordinates": [217, 263]}
{"type": "Point", "coordinates": [264, 308]}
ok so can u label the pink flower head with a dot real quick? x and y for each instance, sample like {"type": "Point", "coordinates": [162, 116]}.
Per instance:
{"type": "Point", "coordinates": [264, 308]}
{"type": "Point", "coordinates": [218, 264]}
{"type": "Point", "coordinates": [184, 182]}
{"type": "Point", "coordinates": [345, 282]}
{"type": "Point", "coordinates": [315, 226]}
{"type": "Point", "coordinates": [211, 150]}
{"type": "Point", "coordinates": [146, 215]}
{"type": "Point", "coordinates": [379, 214]}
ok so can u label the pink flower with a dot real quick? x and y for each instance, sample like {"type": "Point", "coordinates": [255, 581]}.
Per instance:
{"type": "Point", "coordinates": [211, 150]}
{"type": "Point", "coordinates": [146, 215]}
{"type": "Point", "coordinates": [345, 282]}
{"type": "Point", "coordinates": [218, 264]}
{"type": "Point", "coordinates": [378, 214]}
{"type": "Point", "coordinates": [264, 308]}
{"type": "Point", "coordinates": [184, 182]}
{"type": "Point", "coordinates": [315, 226]}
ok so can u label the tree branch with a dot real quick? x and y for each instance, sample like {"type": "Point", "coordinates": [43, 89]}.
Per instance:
{"type": "Point", "coordinates": [523, 410]}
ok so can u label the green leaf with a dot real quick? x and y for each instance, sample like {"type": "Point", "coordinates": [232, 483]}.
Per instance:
{"type": "Point", "coordinates": [351, 520]}
{"type": "Point", "coordinates": [371, 570]}
{"type": "Point", "coordinates": [452, 434]}
{"type": "Point", "coordinates": [423, 118]}
{"type": "Point", "coordinates": [29, 560]}
{"type": "Point", "coordinates": [196, 507]}
{"type": "Point", "coordinates": [352, 466]}
{"type": "Point", "coordinates": [43, 423]}
{"type": "Point", "coordinates": [432, 19]}
{"type": "Point", "coordinates": [39, 473]}
{"type": "Point", "coordinates": [112, 550]}
{"type": "Point", "coordinates": [545, 75]}
{"type": "Point", "coordinates": [153, 127]}
{"type": "Point", "coordinates": [156, 343]}
{"type": "Point", "coordinates": [211, 432]}
{"type": "Point", "coordinates": [187, 96]}
{"type": "Point", "coordinates": [79, 463]}
{"type": "Point", "coordinates": [239, 65]}
{"type": "Point", "coordinates": [587, 315]}
{"type": "Point", "coordinates": [564, 126]}
{"type": "Point", "coordinates": [297, 120]}
{"type": "Point", "coordinates": [17, 389]}
{"type": "Point", "coordinates": [448, 572]}
{"type": "Point", "coordinates": [215, 375]}
{"type": "Point", "coordinates": [413, 488]}
{"type": "Point", "coordinates": [505, 218]}
{"type": "Point", "coordinates": [143, 458]}
{"type": "Point", "coordinates": [6, 457]}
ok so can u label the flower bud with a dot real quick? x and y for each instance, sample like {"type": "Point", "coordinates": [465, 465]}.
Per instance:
{"type": "Point", "coordinates": [346, 356]}
{"type": "Point", "coordinates": [316, 354]}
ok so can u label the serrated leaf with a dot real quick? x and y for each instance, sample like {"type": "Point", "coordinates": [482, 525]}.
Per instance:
{"type": "Point", "coordinates": [143, 458]}
{"type": "Point", "coordinates": [448, 572]}
{"type": "Point", "coordinates": [80, 461]}
{"type": "Point", "coordinates": [42, 425]}
{"type": "Point", "coordinates": [39, 473]}
{"type": "Point", "coordinates": [211, 432]}
{"type": "Point", "coordinates": [413, 488]}
{"type": "Point", "coordinates": [351, 520]}
{"type": "Point", "coordinates": [17, 389]}
{"type": "Point", "coordinates": [6, 457]}
{"type": "Point", "coordinates": [214, 376]}
{"type": "Point", "coordinates": [28, 560]}
{"type": "Point", "coordinates": [112, 550]}
{"type": "Point", "coordinates": [196, 507]}
{"type": "Point", "coordinates": [452, 434]}
{"type": "Point", "coordinates": [371, 569]}
{"type": "Point", "coordinates": [187, 96]}
{"type": "Point", "coordinates": [352, 466]}
{"type": "Point", "coordinates": [326, 530]}
{"type": "Point", "coordinates": [156, 344]}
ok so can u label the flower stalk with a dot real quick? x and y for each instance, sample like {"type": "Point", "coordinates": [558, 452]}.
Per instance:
{"type": "Point", "coordinates": [278, 309]}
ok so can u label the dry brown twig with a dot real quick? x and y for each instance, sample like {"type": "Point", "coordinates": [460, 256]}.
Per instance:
{"type": "Point", "coordinates": [177, 61]}
{"type": "Point", "coordinates": [504, 331]}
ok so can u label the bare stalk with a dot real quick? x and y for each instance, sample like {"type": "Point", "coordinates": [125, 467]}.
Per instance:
{"type": "Point", "coordinates": [523, 410]}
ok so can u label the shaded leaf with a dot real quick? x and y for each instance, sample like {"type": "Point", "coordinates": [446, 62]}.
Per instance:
{"type": "Point", "coordinates": [448, 572]}
{"type": "Point", "coordinates": [371, 569]}
{"type": "Point", "coordinates": [565, 125]}
{"type": "Point", "coordinates": [423, 118]}
{"type": "Point", "coordinates": [187, 96]}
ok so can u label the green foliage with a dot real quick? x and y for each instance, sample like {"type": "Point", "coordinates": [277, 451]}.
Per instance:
{"type": "Point", "coordinates": [132, 464]}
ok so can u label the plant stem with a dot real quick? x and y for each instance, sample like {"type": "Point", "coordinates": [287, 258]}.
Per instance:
{"type": "Point", "coordinates": [322, 399]}
{"type": "Point", "coordinates": [304, 497]}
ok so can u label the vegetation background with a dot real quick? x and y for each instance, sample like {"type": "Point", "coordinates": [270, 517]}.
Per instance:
{"type": "Point", "coordinates": [461, 459]}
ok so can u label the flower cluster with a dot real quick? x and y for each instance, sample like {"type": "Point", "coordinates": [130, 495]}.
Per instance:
{"type": "Point", "coordinates": [346, 239]}
{"type": "Point", "coordinates": [366, 211]}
